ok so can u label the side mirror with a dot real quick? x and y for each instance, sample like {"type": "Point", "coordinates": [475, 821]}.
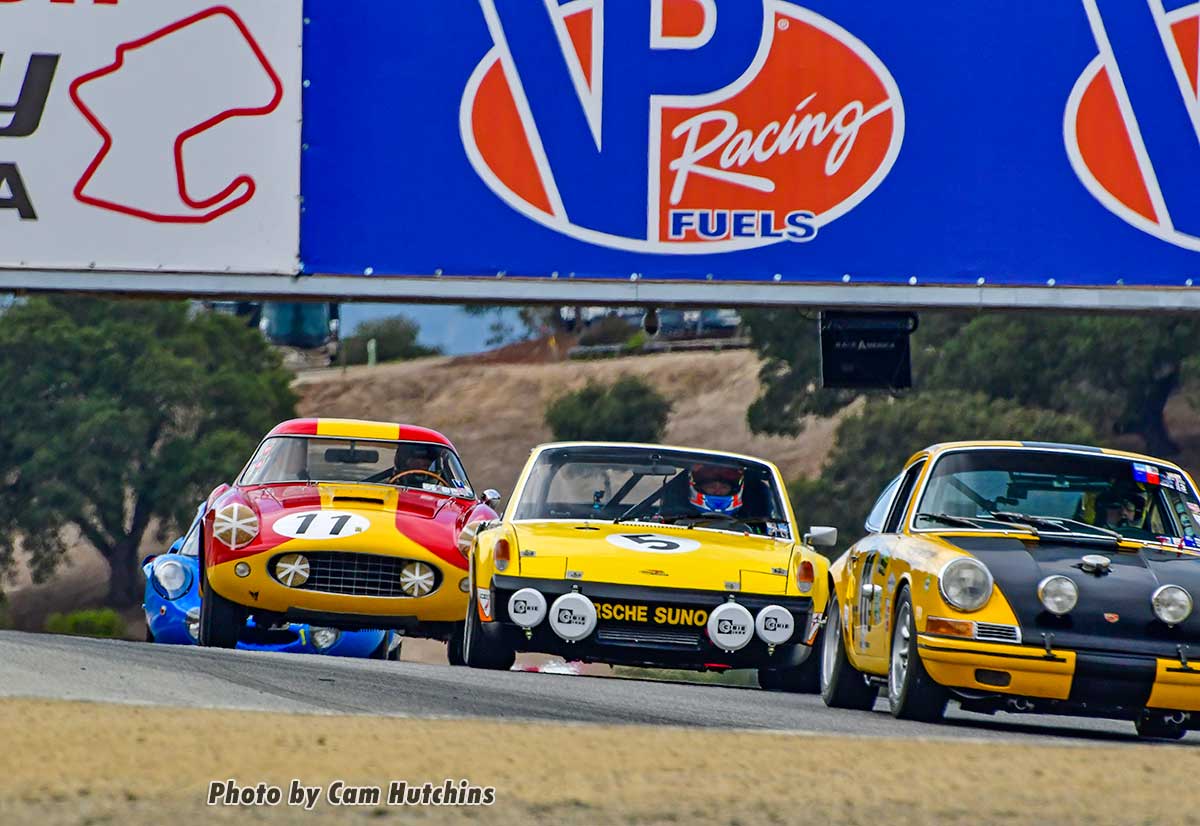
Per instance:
{"type": "Point", "coordinates": [822, 536]}
{"type": "Point", "coordinates": [490, 497]}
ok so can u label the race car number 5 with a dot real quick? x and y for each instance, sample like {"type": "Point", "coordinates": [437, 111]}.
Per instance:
{"type": "Point", "coordinates": [321, 525]}
{"type": "Point", "coordinates": [654, 543]}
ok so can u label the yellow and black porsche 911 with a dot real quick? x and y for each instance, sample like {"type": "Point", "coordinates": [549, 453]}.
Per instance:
{"type": "Point", "coordinates": [648, 555]}
{"type": "Point", "coordinates": [1023, 577]}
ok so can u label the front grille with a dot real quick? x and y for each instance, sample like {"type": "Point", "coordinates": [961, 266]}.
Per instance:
{"type": "Point", "coordinates": [994, 632]}
{"type": "Point", "coordinates": [363, 575]}
{"type": "Point", "coordinates": [683, 640]}
{"type": "Point", "coordinates": [267, 635]}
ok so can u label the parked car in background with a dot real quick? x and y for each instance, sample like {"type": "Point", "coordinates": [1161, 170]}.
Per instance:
{"type": "Point", "coordinates": [172, 606]}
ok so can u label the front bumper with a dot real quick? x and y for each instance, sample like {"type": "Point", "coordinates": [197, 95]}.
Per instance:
{"type": "Point", "coordinates": [683, 644]}
{"type": "Point", "coordinates": [1081, 679]}
{"type": "Point", "coordinates": [262, 593]}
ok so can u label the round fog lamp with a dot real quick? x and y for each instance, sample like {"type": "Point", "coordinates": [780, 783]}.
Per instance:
{"type": "Point", "coordinates": [1058, 595]}
{"type": "Point", "coordinates": [774, 625]}
{"type": "Point", "coordinates": [966, 584]}
{"type": "Point", "coordinates": [1172, 604]}
{"type": "Point", "coordinates": [464, 584]}
{"type": "Point", "coordinates": [242, 569]}
{"type": "Point", "coordinates": [417, 579]}
{"type": "Point", "coordinates": [572, 616]}
{"type": "Point", "coordinates": [527, 608]}
{"type": "Point", "coordinates": [730, 627]}
{"type": "Point", "coordinates": [292, 570]}
{"type": "Point", "coordinates": [323, 638]}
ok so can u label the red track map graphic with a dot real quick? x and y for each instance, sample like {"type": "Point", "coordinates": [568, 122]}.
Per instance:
{"type": "Point", "coordinates": [140, 169]}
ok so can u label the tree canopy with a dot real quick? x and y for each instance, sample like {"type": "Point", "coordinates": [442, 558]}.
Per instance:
{"type": "Point", "coordinates": [628, 410]}
{"type": "Point", "coordinates": [1115, 372]}
{"type": "Point", "coordinates": [870, 448]}
{"type": "Point", "coordinates": [119, 413]}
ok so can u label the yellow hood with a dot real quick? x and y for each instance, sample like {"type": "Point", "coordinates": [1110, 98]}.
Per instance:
{"type": "Point", "coordinates": [655, 555]}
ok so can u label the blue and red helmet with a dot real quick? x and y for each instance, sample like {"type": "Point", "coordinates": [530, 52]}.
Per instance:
{"type": "Point", "coordinates": [703, 478]}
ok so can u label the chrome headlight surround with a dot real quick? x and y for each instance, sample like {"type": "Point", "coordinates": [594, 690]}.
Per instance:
{"type": "Point", "coordinates": [170, 577]}
{"type": "Point", "coordinates": [1058, 594]}
{"type": "Point", "coordinates": [1172, 604]}
{"type": "Point", "coordinates": [965, 583]}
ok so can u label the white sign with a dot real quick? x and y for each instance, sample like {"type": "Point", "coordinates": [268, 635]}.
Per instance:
{"type": "Point", "coordinates": [150, 135]}
{"type": "Point", "coordinates": [323, 525]}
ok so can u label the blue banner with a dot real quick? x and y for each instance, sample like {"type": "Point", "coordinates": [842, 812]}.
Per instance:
{"type": "Point", "coordinates": [996, 142]}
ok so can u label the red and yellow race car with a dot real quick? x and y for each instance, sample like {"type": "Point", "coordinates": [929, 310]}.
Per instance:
{"type": "Point", "coordinates": [345, 524]}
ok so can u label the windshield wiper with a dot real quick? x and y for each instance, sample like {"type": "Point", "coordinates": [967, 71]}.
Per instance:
{"type": "Point", "coordinates": [948, 519]}
{"type": "Point", "coordinates": [1059, 524]}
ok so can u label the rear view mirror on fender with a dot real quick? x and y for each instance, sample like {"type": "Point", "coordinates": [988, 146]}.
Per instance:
{"type": "Point", "coordinates": [822, 536]}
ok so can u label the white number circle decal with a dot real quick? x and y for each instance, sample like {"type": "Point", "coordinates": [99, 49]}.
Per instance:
{"type": "Point", "coordinates": [321, 525]}
{"type": "Point", "coordinates": [653, 543]}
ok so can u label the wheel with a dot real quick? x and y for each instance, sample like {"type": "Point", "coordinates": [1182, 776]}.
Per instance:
{"type": "Point", "coordinates": [454, 646]}
{"type": "Point", "coordinates": [478, 650]}
{"type": "Point", "coordinates": [842, 685]}
{"type": "Point", "coordinates": [803, 679]}
{"type": "Point", "coordinates": [912, 693]}
{"type": "Point", "coordinates": [1152, 726]}
{"type": "Point", "coordinates": [221, 621]}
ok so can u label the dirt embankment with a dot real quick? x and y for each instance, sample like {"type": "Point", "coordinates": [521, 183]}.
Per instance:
{"type": "Point", "coordinates": [81, 763]}
{"type": "Point", "coordinates": [493, 412]}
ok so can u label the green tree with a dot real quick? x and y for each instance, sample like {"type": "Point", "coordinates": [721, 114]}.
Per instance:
{"type": "Point", "coordinates": [1115, 372]}
{"type": "Point", "coordinates": [117, 413]}
{"type": "Point", "coordinates": [871, 447]}
{"type": "Point", "coordinates": [395, 340]}
{"type": "Point", "coordinates": [628, 410]}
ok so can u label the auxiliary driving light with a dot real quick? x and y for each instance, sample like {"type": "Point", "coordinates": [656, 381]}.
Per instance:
{"type": "Point", "coordinates": [730, 627]}
{"type": "Point", "coordinates": [242, 569]}
{"type": "Point", "coordinates": [527, 608]}
{"type": "Point", "coordinates": [572, 616]}
{"type": "Point", "coordinates": [774, 625]}
{"type": "Point", "coordinates": [417, 579]}
{"type": "Point", "coordinates": [292, 570]}
{"type": "Point", "coordinates": [323, 638]}
{"type": "Point", "coordinates": [1172, 604]}
{"type": "Point", "coordinates": [1058, 594]}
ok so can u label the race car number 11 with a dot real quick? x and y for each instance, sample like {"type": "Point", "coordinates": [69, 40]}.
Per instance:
{"type": "Point", "coordinates": [653, 543]}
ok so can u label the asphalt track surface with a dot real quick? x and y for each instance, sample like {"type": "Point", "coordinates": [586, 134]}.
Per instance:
{"type": "Point", "coordinates": [71, 668]}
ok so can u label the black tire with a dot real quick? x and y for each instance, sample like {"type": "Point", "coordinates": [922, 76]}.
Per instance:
{"type": "Point", "coordinates": [842, 685]}
{"type": "Point", "coordinates": [1156, 727]}
{"type": "Point", "coordinates": [221, 621]}
{"type": "Point", "coordinates": [478, 650]}
{"type": "Point", "coordinates": [149, 633]}
{"type": "Point", "coordinates": [454, 646]}
{"type": "Point", "coordinates": [912, 693]}
{"type": "Point", "coordinates": [803, 679]}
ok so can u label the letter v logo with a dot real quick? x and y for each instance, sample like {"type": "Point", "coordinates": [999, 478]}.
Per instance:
{"type": "Point", "coordinates": [1132, 123]}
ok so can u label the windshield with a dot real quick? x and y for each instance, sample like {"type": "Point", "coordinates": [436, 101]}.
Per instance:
{"type": "Point", "coordinates": [191, 545]}
{"type": "Point", "coordinates": [651, 485]}
{"type": "Point", "coordinates": [421, 465]}
{"type": "Point", "coordinates": [1092, 493]}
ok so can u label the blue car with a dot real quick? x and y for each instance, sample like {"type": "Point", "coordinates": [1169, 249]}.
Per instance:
{"type": "Point", "coordinates": [172, 606]}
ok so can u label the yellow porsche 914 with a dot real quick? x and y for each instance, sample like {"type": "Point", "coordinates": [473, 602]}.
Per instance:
{"type": "Point", "coordinates": [648, 555]}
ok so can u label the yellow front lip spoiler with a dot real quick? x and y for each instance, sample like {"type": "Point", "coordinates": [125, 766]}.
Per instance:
{"type": "Point", "coordinates": [957, 663]}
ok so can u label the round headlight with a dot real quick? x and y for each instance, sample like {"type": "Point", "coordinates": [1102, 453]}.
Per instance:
{"type": "Point", "coordinates": [235, 525]}
{"type": "Point", "coordinates": [966, 584]}
{"type": "Point", "coordinates": [172, 577]}
{"type": "Point", "coordinates": [1172, 604]}
{"type": "Point", "coordinates": [323, 638]}
{"type": "Point", "coordinates": [1058, 594]}
{"type": "Point", "coordinates": [193, 623]}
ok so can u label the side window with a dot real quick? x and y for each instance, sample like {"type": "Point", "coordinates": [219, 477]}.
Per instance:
{"type": "Point", "coordinates": [879, 510]}
{"type": "Point", "coordinates": [900, 505]}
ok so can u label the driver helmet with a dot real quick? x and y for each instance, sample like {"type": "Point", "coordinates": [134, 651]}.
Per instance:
{"type": "Point", "coordinates": [413, 456]}
{"type": "Point", "coordinates": [715, 488]}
